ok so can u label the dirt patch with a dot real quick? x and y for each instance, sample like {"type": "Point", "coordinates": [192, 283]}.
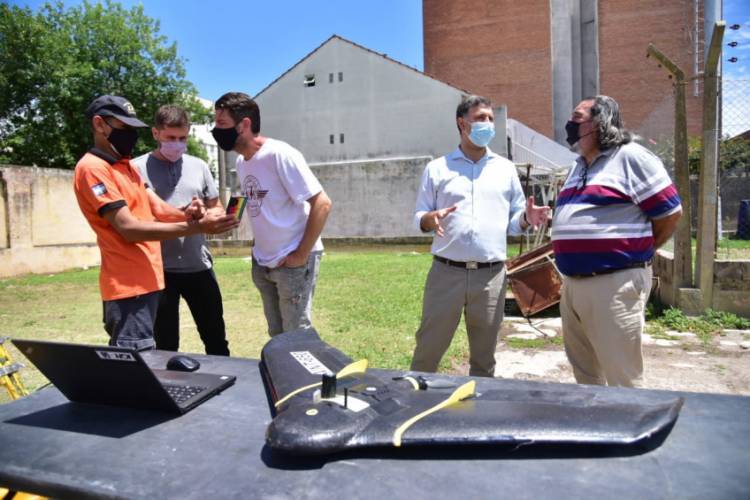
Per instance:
{"type": "Point", "coordinates": [697, 370]}
{"type": "Point", "coordinates": [683, 363]}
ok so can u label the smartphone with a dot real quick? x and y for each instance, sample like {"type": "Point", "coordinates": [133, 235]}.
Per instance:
{"type": "Point", "coordinates": [236, 206]}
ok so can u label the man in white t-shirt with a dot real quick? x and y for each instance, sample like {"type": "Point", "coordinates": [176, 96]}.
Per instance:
{"type": "Point", "coordinates": [287, 209]}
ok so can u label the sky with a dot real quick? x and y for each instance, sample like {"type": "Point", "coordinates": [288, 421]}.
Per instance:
{"type": "Point", "coordinates": [737, 12]}
{"type": "Point", "coordinates": [243, 45]}
{"type": "Point", "coordinates": [736, 83]}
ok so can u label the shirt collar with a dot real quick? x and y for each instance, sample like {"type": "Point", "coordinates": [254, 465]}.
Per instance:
{"type": "Point", "coordinates": [103, 155]}
{"type": "Point", "coordinates": [457, 154]}
{"type": "Point", "coordinates": [604, 152]}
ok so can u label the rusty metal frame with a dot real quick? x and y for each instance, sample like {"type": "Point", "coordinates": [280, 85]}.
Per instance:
{"type": "Point", "coordinates": [535, 280]}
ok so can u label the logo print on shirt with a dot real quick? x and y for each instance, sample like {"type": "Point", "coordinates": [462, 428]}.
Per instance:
{"type": "Point", "coordinates": [255, 195]}
{"type": "Point", "coordinates": [99, 189]}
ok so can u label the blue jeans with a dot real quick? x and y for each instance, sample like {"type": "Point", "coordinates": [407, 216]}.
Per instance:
{"type": "Point", "coordinates": [287, 294]}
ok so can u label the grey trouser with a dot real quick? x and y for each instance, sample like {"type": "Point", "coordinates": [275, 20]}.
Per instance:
{"type": "Point", "coordinates": [130, 322]}
{"type": "Point", "coordinates": [602, 321]}
{"type": "Point", "coordinates": [449, 291]}
{"type": "Point", "coordinates": [287, 294]}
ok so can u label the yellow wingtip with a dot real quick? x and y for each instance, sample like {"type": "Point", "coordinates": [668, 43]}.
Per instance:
{"type": "Point", "coordinates": [353, 368]}
{"type": "Point", "coordinates": [463, 392]}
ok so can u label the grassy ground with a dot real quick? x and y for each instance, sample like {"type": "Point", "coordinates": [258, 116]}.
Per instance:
{"type": "Point", "coordinates": [726, 249]}
{"type": "Point", "coordinates": [367, 303]}
{"type": "Point", "coordinates": [732, 249]}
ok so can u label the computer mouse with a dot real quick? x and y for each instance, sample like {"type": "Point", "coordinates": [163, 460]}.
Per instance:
{"type": "Point", "coordinates": [183, 363]}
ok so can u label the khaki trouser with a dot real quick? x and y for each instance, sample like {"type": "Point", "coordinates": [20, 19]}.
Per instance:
{"type": "Point", "coordinates": [449, 291]}
{"type": "Point", "coordinates": [602, 321]}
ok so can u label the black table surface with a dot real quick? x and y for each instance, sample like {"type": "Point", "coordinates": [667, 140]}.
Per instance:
{"type": "Point", "coordinates": [57, 448]}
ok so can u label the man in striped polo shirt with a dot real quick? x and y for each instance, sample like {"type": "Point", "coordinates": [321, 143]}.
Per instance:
{"type": "Point", "coordinates": [618, 205]}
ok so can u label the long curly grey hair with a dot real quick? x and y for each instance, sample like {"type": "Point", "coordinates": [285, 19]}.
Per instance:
{"type": "Point", "coordinates": [605, 114]}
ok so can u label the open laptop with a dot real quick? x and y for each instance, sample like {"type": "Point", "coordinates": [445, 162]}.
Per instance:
{"type": "Point", "coordinates": [118, 376]}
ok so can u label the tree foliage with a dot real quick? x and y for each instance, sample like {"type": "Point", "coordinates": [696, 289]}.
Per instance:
{"type": "Point", "coordinates": [734, 155]}
{"type": "Point", "coordinates": [55, 61]}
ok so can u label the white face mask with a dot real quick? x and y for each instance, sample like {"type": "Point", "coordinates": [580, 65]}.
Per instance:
{"type": "Point", "coordinates": [172, 151]}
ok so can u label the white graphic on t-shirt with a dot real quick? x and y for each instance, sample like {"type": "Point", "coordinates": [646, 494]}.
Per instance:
{"type": "Point", "coordinates": [255, 195]}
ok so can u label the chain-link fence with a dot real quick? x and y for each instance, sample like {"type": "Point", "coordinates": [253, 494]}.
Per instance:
{"type": "Point", "coordinates": [734, 150]}
{"type": "Point", "coordinates": [657, 133]}
{"type": "Point", "coordinates": [735, 108]}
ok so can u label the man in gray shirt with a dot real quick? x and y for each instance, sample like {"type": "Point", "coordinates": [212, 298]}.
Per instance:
{"type": "Point", "coordinates": [188, 266]}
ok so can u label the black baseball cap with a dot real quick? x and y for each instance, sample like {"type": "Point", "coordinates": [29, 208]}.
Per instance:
{"type": "Point", "coordinates": [115, 106]}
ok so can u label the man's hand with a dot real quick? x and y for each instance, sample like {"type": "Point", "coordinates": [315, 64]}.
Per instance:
{"type": "Point", "coordinates": [213, 223]}
{"type": "Point", "coordinates": [536, 216]}
{"type": "Point", "coordinates": [196, 210]}
{"type": "Point", "coordinates": [294, 259]}
{"type": "Point", "coordinates": [431, 220]}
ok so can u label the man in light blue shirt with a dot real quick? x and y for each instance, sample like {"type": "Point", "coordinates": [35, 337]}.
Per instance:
{"type": "Point", "coordinates": [470, 199]}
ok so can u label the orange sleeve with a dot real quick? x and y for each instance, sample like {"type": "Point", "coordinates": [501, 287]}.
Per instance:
{"type": "Point", "coordinates": [97, 189]}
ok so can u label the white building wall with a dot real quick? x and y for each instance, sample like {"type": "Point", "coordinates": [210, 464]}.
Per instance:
{"type": "Point", "coordinates": [382, 108]}
{"type": "Point", "coordinates": [203, 134]}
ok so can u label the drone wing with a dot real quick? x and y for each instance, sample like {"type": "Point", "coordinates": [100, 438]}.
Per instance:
{"type": "Point", "coordinates": [323, 403]}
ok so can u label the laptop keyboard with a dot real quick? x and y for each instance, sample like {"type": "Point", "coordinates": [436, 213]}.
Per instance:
{"type": "Point", "coordinates": [181, 393]}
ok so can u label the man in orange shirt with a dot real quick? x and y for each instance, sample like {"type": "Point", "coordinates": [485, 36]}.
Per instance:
{"type": "Point", "coordinates": [129, 220]}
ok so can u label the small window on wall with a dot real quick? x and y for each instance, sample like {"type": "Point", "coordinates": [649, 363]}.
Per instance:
{"type": "Point", "coordinates": [341, 76]}
{"type": "Point", "coordinates": [309, 81]}
{"type": "Point", "coordinates": [330, 77]}
{"type": "Point", "coordinates": [330, 138]}
{"type": "Point", "coordinates": [341, 138]}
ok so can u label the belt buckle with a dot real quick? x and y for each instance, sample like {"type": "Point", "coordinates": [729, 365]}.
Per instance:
{"type": "Point", "coordinates": [472, 264]}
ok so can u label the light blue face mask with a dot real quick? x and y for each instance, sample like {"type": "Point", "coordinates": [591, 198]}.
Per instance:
{"type": "Point", "coordinates": [482, 133]}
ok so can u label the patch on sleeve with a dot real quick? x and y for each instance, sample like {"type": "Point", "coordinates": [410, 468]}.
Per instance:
{"type": "Point", "coordinates": [99, 189]}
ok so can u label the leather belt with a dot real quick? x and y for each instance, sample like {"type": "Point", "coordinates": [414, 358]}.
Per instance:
{"type": "Point", "coordinates": [472, 264]}
{"type": "Point", "coordinates": [610, 271]}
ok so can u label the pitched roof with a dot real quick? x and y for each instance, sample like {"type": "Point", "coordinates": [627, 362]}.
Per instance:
{"type": "Point", "coordinates": [332, 37]}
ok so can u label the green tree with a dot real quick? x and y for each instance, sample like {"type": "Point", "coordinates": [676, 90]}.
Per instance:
{"type": "Point", "coordinates": [195, 148]}
{"type": "Point", "coordinates": [734, 155]}
{"type": "Point", "coordinates": [55, 61]}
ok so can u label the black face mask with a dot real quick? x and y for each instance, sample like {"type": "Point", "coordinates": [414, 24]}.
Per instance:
{"type": "Point", "coordinates": [123, 140]}
{"type": "Point", "coordinates": [226, 138]}
{"type": "Point", "coordinates": [572, 129]}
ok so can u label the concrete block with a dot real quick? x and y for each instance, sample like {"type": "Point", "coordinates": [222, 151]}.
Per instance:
{"type": "Point", "coordinates": [728, 271]}
{"type": "Point", "coordinates": [690, 300]}
{"type": "Point", "coordinates": [734, 301]}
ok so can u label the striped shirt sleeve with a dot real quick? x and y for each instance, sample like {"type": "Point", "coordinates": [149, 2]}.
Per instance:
{"type": "Point", "coordinates": [652, 189]}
